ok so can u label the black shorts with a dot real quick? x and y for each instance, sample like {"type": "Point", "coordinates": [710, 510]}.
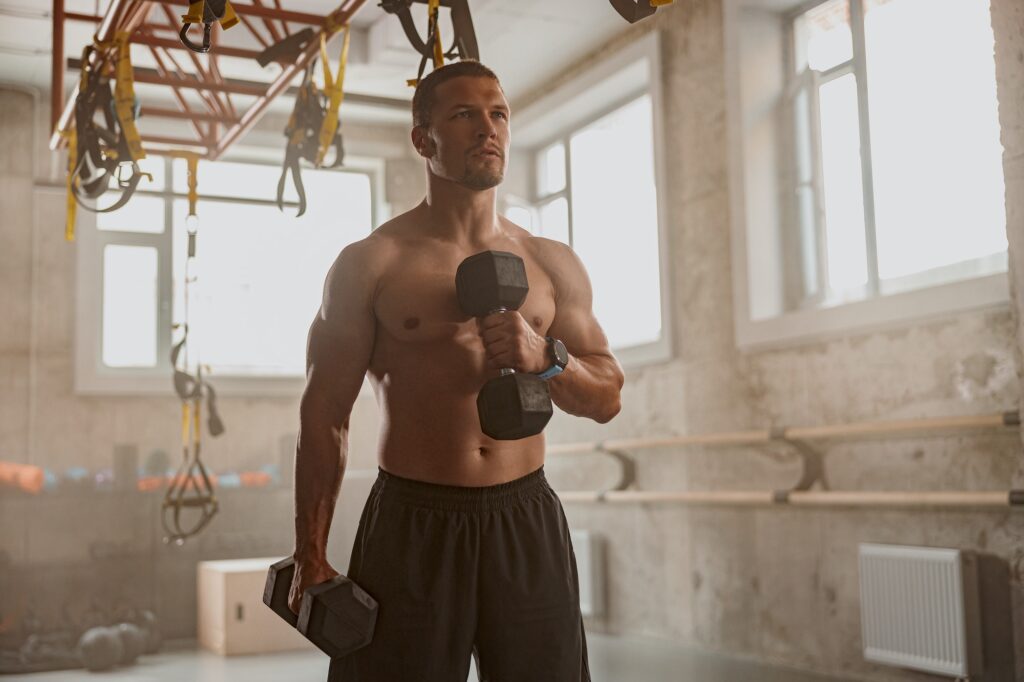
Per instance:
{"type": "Point", "coordinates": [486, 571]}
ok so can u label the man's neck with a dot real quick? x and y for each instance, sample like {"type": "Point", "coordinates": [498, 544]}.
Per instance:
{"type": "Point", "coordinates": [459, 214]}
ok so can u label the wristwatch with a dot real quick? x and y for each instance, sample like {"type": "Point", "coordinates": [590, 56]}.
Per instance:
{"type": "Point", "coordinates": [559, 356]}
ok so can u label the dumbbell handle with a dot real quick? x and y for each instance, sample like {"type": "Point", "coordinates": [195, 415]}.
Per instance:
{"type": "Point", "coordinates": [504, 370]}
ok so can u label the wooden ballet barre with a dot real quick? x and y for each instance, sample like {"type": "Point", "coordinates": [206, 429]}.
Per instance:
{"type": "Point", "coordinates": [738, 498]}
{"type": "Point", "coordinates": [1005, 420]}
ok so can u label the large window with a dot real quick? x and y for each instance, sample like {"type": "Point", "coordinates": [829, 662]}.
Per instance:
{"type": "Point", "coordinates": [605, 209]}
{"type": "Point", "coordinates": [254, 285]}
{"type": "Point", "coordinates": [898, 164]}
{"type": "Point", "coordinates": [866, 164]}
{"type": "Point", "coordinates": [594, 187]}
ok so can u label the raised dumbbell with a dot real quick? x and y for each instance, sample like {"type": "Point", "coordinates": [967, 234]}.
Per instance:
{"type": "Point", "coordinates": [513, 405]}
{"type": "Point", "coordinates": [336, 615]}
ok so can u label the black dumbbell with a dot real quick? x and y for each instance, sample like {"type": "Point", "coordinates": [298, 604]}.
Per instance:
{"type": "Point", "coordinates": [513, 405]}
{"type": "Point", "coordinates": [336, 615]}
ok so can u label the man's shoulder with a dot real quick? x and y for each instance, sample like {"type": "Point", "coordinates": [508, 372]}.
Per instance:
{"type": "Point", "coordinates": [556, 258]}
{"type": "Point", "coordinates": [371, 252]}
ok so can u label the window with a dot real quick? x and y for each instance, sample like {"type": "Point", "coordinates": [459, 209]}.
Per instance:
{"type": "Point", "coordinates": [870, 161]}
{"type": "Point", "coordinates": [595, 189]}
{"type": "Point", "coordinates": [915, 87]}
{"type": "Point", "coordinates": [255, 283]}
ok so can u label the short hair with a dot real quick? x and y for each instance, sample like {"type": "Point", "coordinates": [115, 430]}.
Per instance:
{"type": "Point", "coordinates": [423, 99]}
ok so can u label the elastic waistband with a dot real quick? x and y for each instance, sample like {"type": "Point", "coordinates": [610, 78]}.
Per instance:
{"type": "Point", "coordinates": [460, 498]}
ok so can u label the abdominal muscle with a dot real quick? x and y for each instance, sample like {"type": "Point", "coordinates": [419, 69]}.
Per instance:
{"type": "Point", "coordinates": [430, 430]}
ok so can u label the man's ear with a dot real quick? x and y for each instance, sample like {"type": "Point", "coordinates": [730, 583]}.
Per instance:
{"type": "Point", "coordinates": [422, 142]}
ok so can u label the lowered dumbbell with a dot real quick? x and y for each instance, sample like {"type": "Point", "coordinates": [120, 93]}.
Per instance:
{"type": "Point", "coordinates": [514, 405]}
{"type": "Point", "coordinates": [336, 615]}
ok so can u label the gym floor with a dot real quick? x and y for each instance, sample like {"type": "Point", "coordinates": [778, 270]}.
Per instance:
{"type": "Point", "coordinates": [612, 659]}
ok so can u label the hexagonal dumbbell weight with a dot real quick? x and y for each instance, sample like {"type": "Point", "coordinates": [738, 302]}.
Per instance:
{"type": "Point", "coordinates": [336, 615]}
{"type": "Point", "coordinates": [513, 405]}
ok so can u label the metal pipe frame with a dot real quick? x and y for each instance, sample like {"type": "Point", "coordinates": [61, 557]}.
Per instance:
{"type": "Point", "coordinates": [130, 15]}
{"type": "Point", "coordinates": [157, 112]}
{"type": "Point", "coordinates": [339, 17]}
{"type": "Point", "coordinates": [121, 15]}
{"type": "Point", "coordinates": [237, 86]}
{"type": "Point", "coordinates": [264, 12]}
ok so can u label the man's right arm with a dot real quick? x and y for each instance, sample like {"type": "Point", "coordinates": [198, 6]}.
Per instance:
{"type": "Point", "coordinates": [339, 348]}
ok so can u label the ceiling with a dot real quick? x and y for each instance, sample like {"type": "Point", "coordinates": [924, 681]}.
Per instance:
{"type": "Point", "coordinates": [525, 42]}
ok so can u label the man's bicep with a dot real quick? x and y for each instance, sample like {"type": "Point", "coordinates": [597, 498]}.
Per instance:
{"type": "Point", "coordinates": [574, 322]}
{"type": "Point", "coordinates": [341, 338]}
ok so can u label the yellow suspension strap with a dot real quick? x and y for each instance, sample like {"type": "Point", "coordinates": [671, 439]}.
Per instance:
{"type": "Point", "coordinates": [661, 3]}
{"type": "Point", "coordinates": [313, 125]}
{"type": "Point", "coordinates": [464, 45]}
{"type": "Point", "coordinates": [110, 147]}
{"type": "Point", "coordinates": [71, 205]}
{"type": "Point", "coordinates": [124, 97]}
{"type": "Point", "coordinates": [192, 486]}
{"type": "Point", "coordinates": [433, 42]}
{"type": "Point", "coordinates": [334, 91]}
{"type": "Point", "coordinates": [192, 159]}
{"type": "Point", "coordinates": [207, 13]}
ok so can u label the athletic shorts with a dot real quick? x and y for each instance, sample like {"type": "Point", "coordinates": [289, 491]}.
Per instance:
{"type": "Point", "coordinates": [487, 572]}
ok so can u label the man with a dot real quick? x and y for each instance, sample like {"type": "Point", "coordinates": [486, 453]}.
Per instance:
{"type": "Point", "coordinates": [461, 542]}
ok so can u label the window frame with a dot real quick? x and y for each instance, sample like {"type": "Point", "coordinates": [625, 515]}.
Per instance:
{"type": "Point", "coordinates": [91, 375]}
{"type": "Point", "coordinates": [604, 88]}
{"type": "Point", "coordinates": [857, 66]}
{"type": "Point", "coordinates": [880, 304]}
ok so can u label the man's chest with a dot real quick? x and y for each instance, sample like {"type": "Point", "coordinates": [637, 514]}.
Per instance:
{"type": "Point", "coordinates": [417, 301]}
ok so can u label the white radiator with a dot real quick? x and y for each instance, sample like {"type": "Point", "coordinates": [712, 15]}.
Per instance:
{"type": "Point", "coordinates": [589, 551]}
{"type": "Point", "coordinates": [919, 608]}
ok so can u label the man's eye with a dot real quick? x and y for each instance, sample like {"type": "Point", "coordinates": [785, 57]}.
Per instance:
{"type": "Point", "coordinates": [463, 113]}
{"type": "Point", "coordinates": [501, 114]}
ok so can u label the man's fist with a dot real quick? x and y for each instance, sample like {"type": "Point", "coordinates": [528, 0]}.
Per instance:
{"type": "Point", "coordinates": [510, 342]}
{"type": "Point", "coordinates": [307, 574]}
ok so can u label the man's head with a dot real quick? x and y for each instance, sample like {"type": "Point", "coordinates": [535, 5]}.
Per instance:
{"type": "Point", "coordinates": [461, 124]}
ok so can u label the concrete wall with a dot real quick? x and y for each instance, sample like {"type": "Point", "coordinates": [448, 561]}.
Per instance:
{"type": "Point", "coordinates": [782, 584]}
{"type": "Point", "coordinates": [776, 584]}
{"type": "Point", "coordinates": [78, 549]}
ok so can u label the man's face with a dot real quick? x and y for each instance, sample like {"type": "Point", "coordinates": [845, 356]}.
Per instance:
{"type": "Point", "coordinates": [468, 137]}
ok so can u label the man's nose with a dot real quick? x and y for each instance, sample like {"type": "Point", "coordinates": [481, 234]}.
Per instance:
{"type": "Point", "coordinates": [487, 128]}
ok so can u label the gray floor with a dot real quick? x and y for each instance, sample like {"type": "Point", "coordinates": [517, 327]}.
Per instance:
{"type": "Point", "coordinates": [612, 659]}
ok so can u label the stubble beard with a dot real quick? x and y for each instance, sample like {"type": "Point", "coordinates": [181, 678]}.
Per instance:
{"type": "Point", "coordinates": [482, 177]}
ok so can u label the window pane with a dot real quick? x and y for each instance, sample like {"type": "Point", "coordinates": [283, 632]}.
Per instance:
{"type": "Point", "coordinates": [260, 273]}
{"type": "Point", "coordinates": [229, 179]}
{"type": "Point", "coordinates": [822, 36]}
{"type": "Point", "coordinates": [554, 220]}
{"type": "Point", "coordinates": [844, 197]}
{"type": "Point", "coordinates": [552, 170]}
{"type": "Point", "coordinates": [935, 149]}
{"type": "Point", "coordinates": [615, 221]}
{"type": "Point", "coordinates": [129, 306]}
{"type": "Point", "coordinates": [141, 214]}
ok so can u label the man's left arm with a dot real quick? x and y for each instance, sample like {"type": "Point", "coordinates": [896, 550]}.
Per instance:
{"type": "Point", "coordinates": [591, 383]}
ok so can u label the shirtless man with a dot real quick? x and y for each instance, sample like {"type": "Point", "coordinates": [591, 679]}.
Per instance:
{"type": "Point", "coordinates": [462, 542]}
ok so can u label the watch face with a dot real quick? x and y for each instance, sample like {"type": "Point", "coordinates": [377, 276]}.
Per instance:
{"type": "Point", "coordinates": [561, 354]}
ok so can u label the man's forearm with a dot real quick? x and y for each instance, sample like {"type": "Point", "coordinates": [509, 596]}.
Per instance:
{"type": "Point", "coordinates": [319, 468]}
{"type": "Point", "coordinates": [589, 386]}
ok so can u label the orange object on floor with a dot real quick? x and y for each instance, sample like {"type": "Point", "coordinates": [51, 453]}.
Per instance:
{"type": "Point", "coordinates": [24, 476]}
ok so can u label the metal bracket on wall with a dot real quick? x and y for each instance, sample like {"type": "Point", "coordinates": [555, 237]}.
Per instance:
{"type": "Point", "coordinates": [627, 470]}
{"type": "Point", "coordinates": [813, 462]}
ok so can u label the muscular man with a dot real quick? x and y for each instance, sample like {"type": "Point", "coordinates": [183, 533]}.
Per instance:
{"type": "Point", "coordinates": [462, 542]}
